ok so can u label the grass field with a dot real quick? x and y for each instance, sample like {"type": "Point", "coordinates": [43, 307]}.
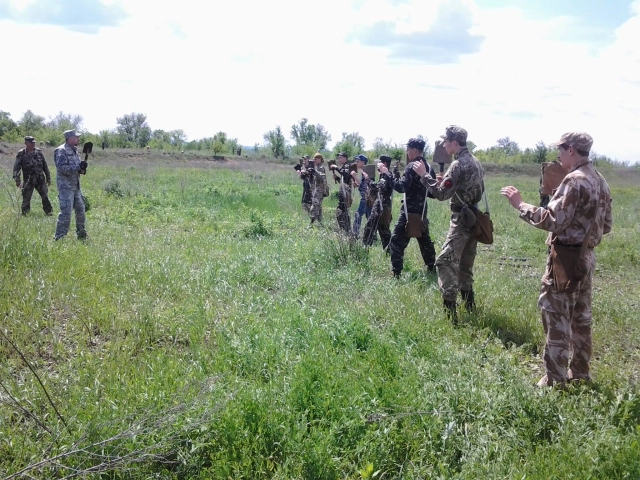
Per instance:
{"type": "Point", "coordinates": [204, 332]}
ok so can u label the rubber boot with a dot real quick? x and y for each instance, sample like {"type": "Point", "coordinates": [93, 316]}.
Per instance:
{"type": "Point", "coordinates": [450, 310]}
{"type": "Point", "coordinates": [469, 300]}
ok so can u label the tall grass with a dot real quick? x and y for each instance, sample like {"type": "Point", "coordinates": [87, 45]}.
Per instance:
{"type": "Point", "coordinates": [204, 332]}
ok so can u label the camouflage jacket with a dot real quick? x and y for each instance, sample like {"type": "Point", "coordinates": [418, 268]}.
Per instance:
{"type": "Point", "coordinates": [383, 188]}
{"type": "Point", "coordinates": [33, 165]}
{"type": "Point", "coordinates": [318, 177]}
{"type": "Point", "coordinates": [464, 177]}
{"type": "Point", "coordinates": [413, 188]}
{"type": "Point", "coordinates": [582, 198]}
{"type": "Point", "coordinates": [67, 167]}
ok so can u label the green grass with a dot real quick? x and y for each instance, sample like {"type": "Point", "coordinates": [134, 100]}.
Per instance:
{"type": "Point", "coordinates": [204, 332]}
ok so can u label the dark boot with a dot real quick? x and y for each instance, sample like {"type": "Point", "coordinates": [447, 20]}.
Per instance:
{"type": "Point", "coordinates": [431, 269]}
{"type": "Point", "coordinates": [450, 310]}
{"type": "Point", "coordinates": [469, 300]}
{"type": "Point", "coordinates": [396, 275]}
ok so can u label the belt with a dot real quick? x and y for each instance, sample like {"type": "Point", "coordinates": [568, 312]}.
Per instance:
{"type": "Point", "coordinates": [577, 245]}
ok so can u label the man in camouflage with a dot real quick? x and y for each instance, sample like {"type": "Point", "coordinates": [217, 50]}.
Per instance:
{"type": "Point", "coordinates": [305, 175]}
{"type": "Point", "coordinates": [381, 195]}
{"type": "Point", "coordinates": [463, 184]}
{"type": "Point", "coordinates": [363, 187]}
{"type": "Point", "coordinates": [578, 212]}
{"type": "Point", "coordinates": [319, 187]}
{"type": "Point", "coordinates": [35, 175]}
{"type": "Point", "coordinates": [342, 173]}
{"type": "Point", "coordinates": [68, 166]}
{"type": "Point", "coordinates": [414, 201]}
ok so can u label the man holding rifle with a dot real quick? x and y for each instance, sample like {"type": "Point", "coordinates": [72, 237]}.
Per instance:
{"type": "Point", "coordinates": [68, 169]}
{"type": "Point", "coordinates": [577, 217]}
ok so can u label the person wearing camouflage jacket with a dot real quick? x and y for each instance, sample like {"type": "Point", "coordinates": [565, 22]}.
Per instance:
{"type": "Point", "coordinates": [346, 177]}
{"type": "Point", "coordinates": [319, 187]}
{"type": "Point", "coordinates": [305, 175]}
{"type": "Point", "coordinates": [462, 184]}
{"type": "Point", "coordinates": [68, 166]}
{"type": "Point", "coordinates": [35, 175]}
{"type": "Point", "coordinates": [579, 212]}
{"type": "Point", "coordinates": [414, 201]}
{"type": "Point", "coordinates": [381, 196]}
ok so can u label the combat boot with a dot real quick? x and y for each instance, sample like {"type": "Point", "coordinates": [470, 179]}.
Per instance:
{"type": "Point", "coordinates": [396, 275]}
{"type": "Point", "coordinates": [469, 300]}
{"type": "Point", "coordinates": [450, 310]}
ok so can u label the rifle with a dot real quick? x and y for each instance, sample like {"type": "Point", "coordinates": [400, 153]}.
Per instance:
{"type": "Point", "coordinates": [86, 149]}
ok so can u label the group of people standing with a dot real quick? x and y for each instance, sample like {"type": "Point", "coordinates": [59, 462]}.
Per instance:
{"type": "Point", "coordinates": [31, 172]}
{"type": "Point", "coordinates": [577, 216]}
{"type": "Point", "coordinates": [462, 183]}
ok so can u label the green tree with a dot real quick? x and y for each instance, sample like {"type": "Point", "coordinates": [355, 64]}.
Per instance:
{"type": "Point", "coordinates": [7, 125]}
{"type": "Point", "coordinates": [351, 144]}
{"type": "Point", "coordinates": [65, 121]}
{"type": "Point", "coordinates": [134, 129]}
{"type": "Point", "coordinates": [232, 145]}
{"type": "Point", "coordinates": [275, 141]}
{"type": "Point", "coordinates": [217, 147]}
{"type": "Point", "coordinates": [30, 123]}
{"type": "Point", "coordinates": [177, 138]}
{"type": "Point", "coordinates": [540, 152]}
{"type": "Point", "coordinates": [220, 136]}
{"type": "Point", "coordinates": [508, 146]}
{"type": "Point", "coordinates": [471, 146]}
{"type": "Point", "coordinates": [306, 134]}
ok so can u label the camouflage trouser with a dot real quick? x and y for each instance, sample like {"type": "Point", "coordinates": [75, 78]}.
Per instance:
{"type": "Point", "coordinates": [70, 200]}
{"type": "Point", "coordinates": [307, 199]}
{"type": "Point", "coordinates": [379, 220]}
{"type": "Point", "coordinates": [566, 319]}
{"type": "Point", "coordinates": [455, 262]}
{"type": "Point", "coordinates": [342, 212]}
{"type": "Point", "coordinates": [399, 242]}
{"type": "Point", "coordinates": [316, 204]}
{"type": "Point", "coordinates": [363, 210]}
{"type": "Point", "coordinates": [27, 192]}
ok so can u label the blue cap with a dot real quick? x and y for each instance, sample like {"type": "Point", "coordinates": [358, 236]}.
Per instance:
{"type": "Point", "coordinates": [362, 158]}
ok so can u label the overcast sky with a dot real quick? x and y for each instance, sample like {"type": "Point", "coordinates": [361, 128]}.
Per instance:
{"type": "Point", "coordinates": [530, 70]}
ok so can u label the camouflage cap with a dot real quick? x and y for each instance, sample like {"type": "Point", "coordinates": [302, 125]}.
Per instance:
{"type": "Point", "coordinates": [342, 154]}
{"type": "Point", "coordinates": [416, 143]}
{"type": "Point", "coordinates": [29, 138]}
{"type": "Point", "coordinates": [454, 132]}
{"type": "Point", "coordinates": [579, 140]}
{"type": "Point", "coordinates": [71, 133]}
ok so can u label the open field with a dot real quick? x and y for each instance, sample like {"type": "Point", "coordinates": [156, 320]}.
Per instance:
{"type": "Point", "coordinates": [204, 332]}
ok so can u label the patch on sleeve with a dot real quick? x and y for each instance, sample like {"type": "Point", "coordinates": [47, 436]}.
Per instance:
{"type": "Point", "coordinates": [448, 183]}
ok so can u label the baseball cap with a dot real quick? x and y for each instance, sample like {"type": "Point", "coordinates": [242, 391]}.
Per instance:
{"type": "Point", "coordinates": [580, 141]}
{"type": "Point", "coordinates": [455, 132]}
{"type": "Point", "coordinates": [29, 138]}
{"type": "Point", "coordinates": [342, 154]}
{"type": "Point", "coordinates": [71, 133]}
{"type": "Point", "coordinates": [362, 158]}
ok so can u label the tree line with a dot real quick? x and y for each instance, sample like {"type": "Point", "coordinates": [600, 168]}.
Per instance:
{"type": "Point", "coordinates": [305, 138]}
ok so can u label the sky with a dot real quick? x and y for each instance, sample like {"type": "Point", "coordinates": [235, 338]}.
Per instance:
{"type": "Point", "coordinates": [529, 70]}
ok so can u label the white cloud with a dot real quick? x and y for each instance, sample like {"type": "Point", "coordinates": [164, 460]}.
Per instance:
{"type": "Point", "coordinates": [245, 66]}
